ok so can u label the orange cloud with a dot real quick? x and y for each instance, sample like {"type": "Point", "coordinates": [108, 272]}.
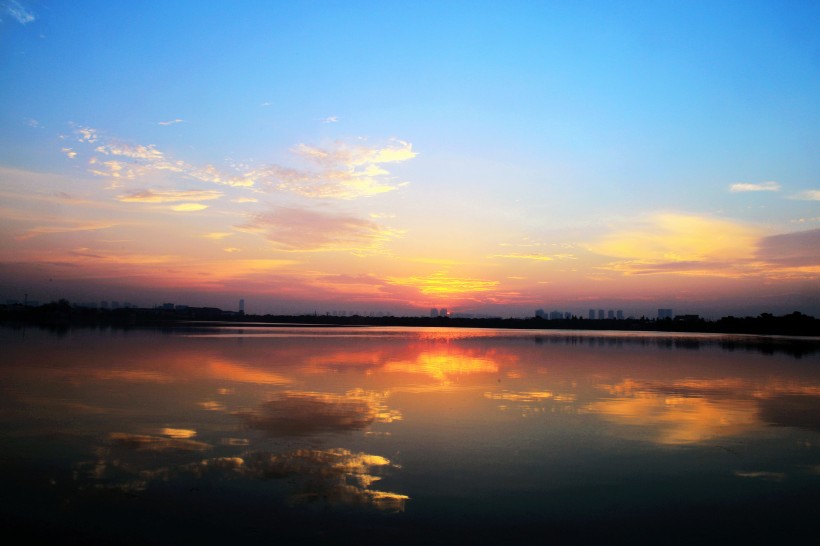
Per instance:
{"type": "Point", "coordinates": [308, 230]}
{"type": "Point", "coordinates": [45, 230]}
{"type": "Point", "coordinates": [440, 284]}
{"type": "Point", "coordinates": [169, 196]}
{"type": "Point", "coordinates": [681, 244]}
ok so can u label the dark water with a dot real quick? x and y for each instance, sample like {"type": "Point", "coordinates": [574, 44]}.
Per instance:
{"type": "Point", "coordinates": [410, 436]}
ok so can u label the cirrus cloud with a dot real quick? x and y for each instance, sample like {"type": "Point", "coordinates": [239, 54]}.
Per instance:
{"type": "Point", "coordinates": [338, 171]}
{"type": "Point", "coordinates": [808, 195]}
{"type": "Point", "coordinates": [169, 196]}
{"type": "Point", "coordinates": [296, 229]}
{"type": "Point", "coordinates": [762, 186]}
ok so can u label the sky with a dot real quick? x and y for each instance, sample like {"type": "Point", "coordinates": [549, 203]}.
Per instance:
{"type": "Point", "coordinates": [490, 158]}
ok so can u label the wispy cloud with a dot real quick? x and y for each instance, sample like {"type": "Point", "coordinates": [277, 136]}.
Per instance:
{"type": "Point", "coordinates": [18, 11]}
{"type": "Point", "coordinates": [746, 187]}
{"type": "Point", "coordinates": [534, 257]}
{"type": "Point", "coordinates": [443, 284]}
{"type": "Point", "coordinates": [331, 119]}
{"type": "Point", "coordinates": [131, 151]}
{"type": "Point", "coordinates": [309, 230]}
{"type": "Point", "coordinates": [343, 155]}
{"type": "Point", "coordinates": [45, 230]}
{"type": "Point", "coordinates": [679, 243]}
{"type": "Point", "coordinates": [675, 244]}
{"type": "Point", "coordinates": [71, 154]}
{"type": "Point", "coordinates": [169, 196]}
{"type": "Point", "coordinates": [218, 235]}
{"type": "Point", "coordinates": [345, 172]}
{"type": "Point", "coordinates": [86, 134]}
{"type": "Point", "coordinates": [341, 171]}
{"type": "Point", "coordinates": [791, 254]}
{"type": "Point", "coordinates": [188, 207]}
{"type": "Point", "coordinates": [808, 195]}
{"type": "Point", "coordinates": [171, 122]}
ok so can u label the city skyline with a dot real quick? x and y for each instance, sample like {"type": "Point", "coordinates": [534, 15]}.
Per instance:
{"type": "Point", "coordinates": [478, 158]}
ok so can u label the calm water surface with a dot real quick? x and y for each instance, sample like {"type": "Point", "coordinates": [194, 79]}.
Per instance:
{"type": "Point", "coordinates": [209, 435]}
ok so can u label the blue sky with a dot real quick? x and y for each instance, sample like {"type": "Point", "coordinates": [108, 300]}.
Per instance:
{"type": "Point", "coordinates": [482, 156]}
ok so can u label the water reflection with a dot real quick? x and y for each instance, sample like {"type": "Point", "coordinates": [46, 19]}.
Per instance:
{"type": "Point", "coordinates": [674, 418]}
{"type": "Point", "coordinates": [334, 476]}
{"type": "Point", "coordinates": [694, 410]}
{"type": "Point", "coordinates": [432, 427]}
{"type": "Point", "coordinates": [304, 413]}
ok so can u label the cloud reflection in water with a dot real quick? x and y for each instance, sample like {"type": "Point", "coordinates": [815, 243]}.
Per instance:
{"type": "Point", "coordinates": [306, 413]}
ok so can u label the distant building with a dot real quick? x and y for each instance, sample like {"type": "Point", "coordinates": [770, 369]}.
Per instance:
{"type": "Point", "coordinates": [600, 314]}
{"type": "Point", "coordinates": [443, 312]}
{"type": "Point", "coordinates": [556, 315]}
{"type": "Point", "coordinates": [592, 314]}
{"type": "Point", "coordinates": [241, 306]}
{"type": "Point", "coordinates": [664, 314]}
{"type": "Point", "coordinates": [167, 306]}
{"type": "Point", "coordinates": [540, 313]}
{"type": "Point", "coordinates": [687, 318]}
{"type": "Point", "coordinates": [610, 314]}
{"type": "Point", "coordinates": [620, 314]}
{"type": "Point", "coordinates": [567, 315]}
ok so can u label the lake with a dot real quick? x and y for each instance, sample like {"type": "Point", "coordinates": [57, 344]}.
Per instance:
{"type": "Point", "coordinates": [253, 434]}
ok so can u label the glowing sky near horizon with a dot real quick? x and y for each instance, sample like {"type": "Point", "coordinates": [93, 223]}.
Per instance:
{"type": "Point", "coordinates": [392, 157]}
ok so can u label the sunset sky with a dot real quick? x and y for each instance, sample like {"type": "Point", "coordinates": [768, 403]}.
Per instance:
{"type": "Point", "coordinates": [486, 157]}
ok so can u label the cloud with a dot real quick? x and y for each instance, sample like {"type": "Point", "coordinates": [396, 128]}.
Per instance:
{"type": "Point", "coordinates": [340, 171]}
{"type": "Point", "coordinates": [209, 173]}
{"type": "Point", "coordinates": [170, 196]}
{"type": "Point", "coordinates": [134, 152]}
{"type": "Point", "coordinates": [763, 186]}
{"type": "Point", "coordinates": [354, 156]}
{"type": "Point", "coordinates": [331, 119]}
{"type": "Point", "coordinates": [245, 200]}
{"type": "Point", "coordinates": [71, 154]}
{"type": "Point", "coordinates": [218, 236]}
{"type": "Point", "coordinates": [345, 172]}
{"type": "Point", "coordinates": [115, 169]}
{"type": "Point", "coordinates": [86, 134]}
{"type": "Point", "coordinates": [441, 284]}
{"type": "Point", "coordinates": [707, 247]}
{"type": "Point", "coordinates": [171, 122]}
{"type": "Point", "coordinates": [45, 230]}
{"type": "Point", "coordinates": [534, 257]}
{"type": "Point", "coordinates": [808, 195]}
{"type": "Point", "coordinates": [792, 250]}
{"type": "Point", "coordinates": [306, 230]}
{"type": "Point", "coordinates": [189, 207]}
{"type": "Point", "coordinates": [18, 11]}
{"type": "Point", "coordinates": [679, 243]}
